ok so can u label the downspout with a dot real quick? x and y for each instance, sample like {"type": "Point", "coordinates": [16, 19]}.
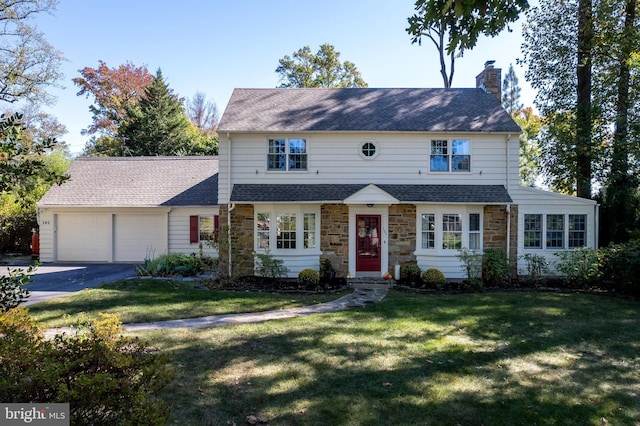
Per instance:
{"type": "Point", "coordinates": [596, 238]}
{"type": "Point", "coordinates": [230, 206]}
{"type": "Point", "coordinates": [508, 204]}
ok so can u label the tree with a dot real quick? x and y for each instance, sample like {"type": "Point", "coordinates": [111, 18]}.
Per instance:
{"type": "Point", "coordinates": [323, 69]}
{"type": "Point", "coordinates": [28, 63]}
{"type": "Point", "coordinates": [511, 92]}
{"type": "Point", "coordinates": [529, 160]}
{"type": "Point", "coordinates": [113, 90]}
{"type": "Point", "coordinates": [461, 22]}
{"type": "Point", "coordinates": [203, 113]}
{"type": "Point", "coordinates": [157, 125]}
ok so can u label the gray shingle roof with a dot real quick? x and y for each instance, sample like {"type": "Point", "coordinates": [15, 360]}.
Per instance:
{"type": "Point", "coordinates": [137, 182]}
{"type": "Point", "coordinates": [266, 193]}
{"type": "Point", "coordinates": [355, 109]}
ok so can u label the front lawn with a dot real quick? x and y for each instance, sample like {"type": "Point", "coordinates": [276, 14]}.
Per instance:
{"type": "Point", "coordinates": [469, 359]}
{"type": "Point", "coordinates": [148, 300]}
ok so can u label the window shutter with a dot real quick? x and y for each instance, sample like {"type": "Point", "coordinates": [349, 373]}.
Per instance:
{"type": "Point", "coordinates": [194, 234]}
{"type": "Point", "coordinates": [216, 227]}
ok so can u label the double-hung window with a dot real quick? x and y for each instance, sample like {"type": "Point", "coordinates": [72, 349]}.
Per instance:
{"type": "Point", "coordinates": [560, 231]}
{"type": "Point", "coordinates": [287, 155]}
{"type": "Point", "coordinates": [285, 229]}
{"type": "Point", "coordinates": [444, 229]}
{"type": "Point", "coordinates": [450, 155]}
{"type": "Point", "coordinates": [203, 228]}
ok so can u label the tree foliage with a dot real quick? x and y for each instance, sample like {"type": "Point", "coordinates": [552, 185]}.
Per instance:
{"type": "Point", "coordinates": [28, 63]}
{"type": "Point", "coordinates": [454, 26]}
{"type": "Point", "coordinates": [323, 69]}
{"type": "Point", "coordinates": [113, 90]}
{"type": "Point", "coordinates": [511, 92]}
{"type": "Point", "coordinates": [529, 159]}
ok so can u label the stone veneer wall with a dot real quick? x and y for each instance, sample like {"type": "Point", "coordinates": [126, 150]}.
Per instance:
{"type": "Point", "coordinates": [495, 230]}
{"type": "Point", "coordinates": [334, 236]}
{"type": "Point", "coordinates": [402, 234]}
{"type": "Point", "coordinates": [241, 240]}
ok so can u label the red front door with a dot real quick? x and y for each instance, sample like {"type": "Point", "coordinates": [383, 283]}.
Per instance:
{"type": "Point", "coordinates": [368, 233]}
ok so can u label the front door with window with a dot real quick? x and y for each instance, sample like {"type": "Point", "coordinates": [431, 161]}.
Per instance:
{"type": "Point", "coordinates": [368, 247]}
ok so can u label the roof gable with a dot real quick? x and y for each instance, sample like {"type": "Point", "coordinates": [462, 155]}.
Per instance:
{"type": "Point", "coordinates": [137, 182]}
{"type": "Point", "coordinates": [371, 194]}
{"type": "Point", "coordinates": [365, 109]}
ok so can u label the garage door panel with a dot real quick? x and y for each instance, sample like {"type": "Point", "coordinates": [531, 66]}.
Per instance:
{"type": "Point", "coordinates": [82, 237]}
{"type": "Point", "coordinates": [137, 237]}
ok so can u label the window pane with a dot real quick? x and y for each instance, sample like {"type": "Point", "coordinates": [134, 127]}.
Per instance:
{"type": "Point", "coordinates": [297, 154]}
{"type": "Point", "coordinates": [533, 231]}
{"type": "Point", "coordinates": [286, 231]}
{"type": "Point", "coordinates": [277, 155]}
{"type": "Point", "coordinates": [368, 149]}
{"type": "Point", "coordinates": [474, 231]}
{"type": "Point", "coordinates": [309, 230]}
{"type": "Point", "coordinates": [461, 163]}
{"type": "Point", "coordinates": [577, 230]}
{"type": "Point", "coordinates": [439, 147]}
{"type": "Point", "coordinates": [439, 163]}
{"type": "Point", "coordinates": [262, 230]}
{"type": "Point", "coordinates": [206, 228]}
{"type": "Point", "coordinates": [428, 231]}
{"type": "Point", "coordinates": [460, 147]}
{"type": "Point", "coordinates": [451, 232]}
{"type": "Point", "coordinates": [555, 231]}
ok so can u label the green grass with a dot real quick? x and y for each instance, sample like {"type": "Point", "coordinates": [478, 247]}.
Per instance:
{"type": "Point", "coordinates": [147, 300]}
{"type": "Point", "coordinates": [480, 359]}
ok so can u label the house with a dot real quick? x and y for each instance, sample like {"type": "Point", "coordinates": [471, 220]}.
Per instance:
{"type": "Point", "coordinates": [370, 178]}
{"type": "Point", "coordinates": [128, 209]}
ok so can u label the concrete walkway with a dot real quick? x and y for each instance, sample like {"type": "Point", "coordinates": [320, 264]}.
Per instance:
{"type": "Point", "coordinates": [363, 294]}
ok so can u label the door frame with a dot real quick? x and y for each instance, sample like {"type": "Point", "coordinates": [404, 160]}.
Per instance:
{"type": "Point", "coordinates": [377, 209]}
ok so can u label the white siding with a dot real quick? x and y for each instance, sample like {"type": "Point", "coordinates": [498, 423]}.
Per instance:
{"type": "Point", "coordinates": [46, 225]}
{"type": "Point", "coordinates": [179, 230]}
{"type": "Point", "coordinates": [535, 201]}
{"type": "Point", "coordinates": [334, 158]}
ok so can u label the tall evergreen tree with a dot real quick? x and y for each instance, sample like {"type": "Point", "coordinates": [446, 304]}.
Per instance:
{"type": "Point", "coordinates": [511, 92]}
{"type": "Point", "coordinates": [157, 125]}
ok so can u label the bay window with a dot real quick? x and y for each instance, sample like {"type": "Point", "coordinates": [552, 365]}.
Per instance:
{"type": "Point", "coordinates": [294, 228]}
{"type": "Point", "coordinates": [443, 229]}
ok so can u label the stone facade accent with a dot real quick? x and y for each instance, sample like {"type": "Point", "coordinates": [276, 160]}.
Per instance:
{"type": "Point", "coordinates": [402, 234]}
{"type": "Point", "coordinates": [334, 236]}
{"type": "Point", "coordinates": [495, 230]}
{"type": "Point", "coordinates": [241, 240]}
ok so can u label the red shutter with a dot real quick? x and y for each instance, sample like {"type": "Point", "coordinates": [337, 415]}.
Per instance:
{"type": "Point", "coordinates": [216, 227]}
{"type": "Point", "coordinates": [194, 234]}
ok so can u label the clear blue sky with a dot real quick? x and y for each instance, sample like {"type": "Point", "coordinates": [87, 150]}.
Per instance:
{"type": "Point", "coordinates": [217, 45]}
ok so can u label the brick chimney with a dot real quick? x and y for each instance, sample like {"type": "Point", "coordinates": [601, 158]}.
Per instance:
{"type": "Point", "coordinates": [490, 80]}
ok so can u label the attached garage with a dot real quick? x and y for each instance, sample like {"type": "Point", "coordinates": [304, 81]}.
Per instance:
{"type": "Point", "coordinates": [127, 209]}
{"type": "Point", "coordinates": [83, 237]}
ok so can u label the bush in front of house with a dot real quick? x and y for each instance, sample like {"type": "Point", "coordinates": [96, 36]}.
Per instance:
{"type": "Point", "coordinates": [177, 264]}
{"type": "Point", "coordinates": [433, 278]}
{"type": "Point", "coordinates": [105, 377]}
{"type": "Point", "coordinates": [309, 278]}
{"type": "Point", "coordinates": [410, 274]}
{"type": "Point", "coordinates": [581, 267]}
{"type": "Point", "coordinates": [495, 267]}
{"type": "Point", "coordinates": [621, 267]}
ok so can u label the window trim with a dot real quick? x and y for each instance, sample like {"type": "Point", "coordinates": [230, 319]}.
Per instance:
{"type": "Point", "coordinates": [287, 154]}
{"type": "Point", "coordinates": [439, 211]}
{"type": "Point", "coordinates": [449, 154]}
{"type": "Point", "coordinates": [376, 146]}
{"type": "Point", "coordinates": [566, 232]}
{"type": "Point", "coordinates": [274, 211]}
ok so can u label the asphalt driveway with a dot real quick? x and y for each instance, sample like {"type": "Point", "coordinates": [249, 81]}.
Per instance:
{"type": "Point", "coordinates": [59, 279]}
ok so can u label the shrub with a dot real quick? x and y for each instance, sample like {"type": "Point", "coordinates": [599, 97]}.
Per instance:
{"type": "Point", "coordinates": [432, 277]}
{"type": "Point", "coordinates": [621, 263]}
{"type": "Point", "coordinates": [472, 265]}
{"type": "Point", "coordinates": [580, 267]}
{"type": "Point", "coordinates": [270, 267]}
{"type": "Point", "coordinates": [176, 264]}
{"type": "Point", "coordinates": [495, 267]}
{"type": "Point", "coordinates": [106, 378]}
{"type": "Point", "coordinates": [411, 273]}
{"type": "Point", "coordinates": [309, 278]}
{"type": "Point", "coordinates": [12, 291]}
{"type": "Point", "coordinates": [537, 267]}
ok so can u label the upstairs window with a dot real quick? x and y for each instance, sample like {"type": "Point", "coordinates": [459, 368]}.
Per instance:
{"type": "Point", "coordinates": [287, 155]}
{"type": "Point", "coordinates": [450, 156]}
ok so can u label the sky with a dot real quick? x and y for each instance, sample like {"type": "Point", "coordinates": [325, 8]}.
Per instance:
{"type": "Point", "coordinates": [215, 46]}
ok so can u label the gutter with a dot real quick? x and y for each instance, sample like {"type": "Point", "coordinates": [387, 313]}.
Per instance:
{"type": "Point", "coordinates": [230, 207]}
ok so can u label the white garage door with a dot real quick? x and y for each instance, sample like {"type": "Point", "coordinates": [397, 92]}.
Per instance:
{"type": "Point", "coordinates": [83, 237]}
{"type": "Point", "coordinates": [138, 236]}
